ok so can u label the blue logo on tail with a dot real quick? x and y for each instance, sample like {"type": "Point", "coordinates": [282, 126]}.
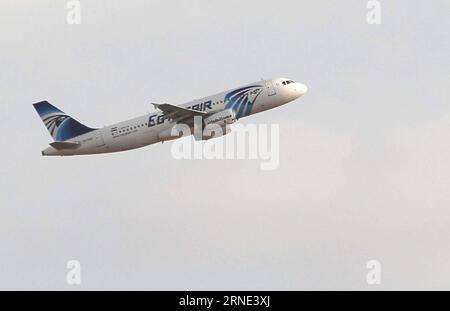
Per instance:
{"type": "Point", "coordinates": [61, 126]}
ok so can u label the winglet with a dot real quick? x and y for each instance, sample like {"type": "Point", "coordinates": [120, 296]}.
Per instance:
{"type": "Point", "coordinates": [155, 105]}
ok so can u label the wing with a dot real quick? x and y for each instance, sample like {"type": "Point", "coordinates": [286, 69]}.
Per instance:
{"type": "Point", "coordinates": [176, 112]}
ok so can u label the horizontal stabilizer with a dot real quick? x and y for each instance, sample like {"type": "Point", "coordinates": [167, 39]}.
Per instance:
{"type": "Point", "coordinates": [64, 145]}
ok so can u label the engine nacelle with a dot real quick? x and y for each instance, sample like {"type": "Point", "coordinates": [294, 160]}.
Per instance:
{"type": "Point", "coordinates": [223, 117]}
{"type": "Point", "coordinates": [217, 124]}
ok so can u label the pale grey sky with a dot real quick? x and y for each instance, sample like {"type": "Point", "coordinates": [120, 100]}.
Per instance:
{"type": "Point", "coordinates": [364, 156]}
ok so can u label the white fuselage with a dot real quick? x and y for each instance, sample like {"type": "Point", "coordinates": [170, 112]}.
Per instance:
{"type": "Point", "coordinates": [145, 130]}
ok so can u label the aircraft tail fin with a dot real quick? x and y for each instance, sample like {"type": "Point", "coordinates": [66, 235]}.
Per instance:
{"type": "Point", "coordinates": [61, 126]}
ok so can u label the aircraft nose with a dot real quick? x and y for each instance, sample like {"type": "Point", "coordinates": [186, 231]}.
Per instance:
{"type": "Point", "coordinates": [301, 89]}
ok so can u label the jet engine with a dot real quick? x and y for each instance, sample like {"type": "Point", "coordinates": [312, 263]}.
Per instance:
{"type": "Point", "coordinates": [217, 124]}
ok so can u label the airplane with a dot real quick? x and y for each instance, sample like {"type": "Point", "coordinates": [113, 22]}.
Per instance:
{"type": "Point", "coordinates": [221, 110]}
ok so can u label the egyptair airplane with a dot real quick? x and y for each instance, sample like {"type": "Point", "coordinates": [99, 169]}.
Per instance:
{"type": "Point", "coordinates": [74, 138]}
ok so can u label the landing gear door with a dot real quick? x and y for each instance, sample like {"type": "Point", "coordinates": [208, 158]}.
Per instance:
{"type": "Point", "coordinates": [99, 142]}
{"type": "Point", "coordinates": [270, 88]}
